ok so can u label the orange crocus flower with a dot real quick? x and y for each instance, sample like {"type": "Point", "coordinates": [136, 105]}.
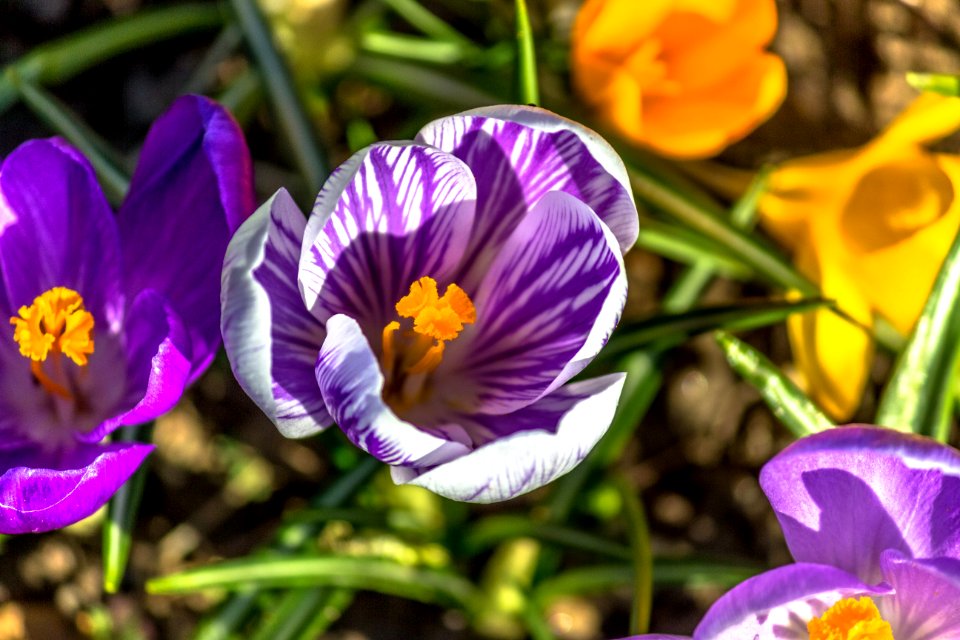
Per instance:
{"type": "Point", "coordinates": [871, 226]}
{"type": "Point", "coordinates": [684, 77]}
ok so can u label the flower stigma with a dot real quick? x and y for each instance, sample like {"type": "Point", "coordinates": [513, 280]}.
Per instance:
{"type": "Point", "coordinates": [408, 356]}
{"type": "Point", "coordinates": [55, 324]}
{"type": "Point", "coordinates": [850, 619]}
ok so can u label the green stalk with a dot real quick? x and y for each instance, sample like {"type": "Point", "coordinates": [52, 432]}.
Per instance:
{"type": "Point", "coordinates": [121, 515]}
{"type": "Point", "coordinates": [294, 122]}
{"type": "Point", "coordinates": [529, 89]}
{"type": "Point", "coordinates": [60, 60]}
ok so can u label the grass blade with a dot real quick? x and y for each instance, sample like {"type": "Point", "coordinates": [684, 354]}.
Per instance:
{"type": "Point", "coordinates": [62, 120]}
{"type": "Point", "coordinates": [121, 516]}
{"type": "Point", "coordinates": [944, 84]}
{"type": "Point", "coordinates": [528, 87]}
{"type": "Point", "coordinates": [676, 328]}
{"type": "Point", "coordinates": [641, 559]}
{"type": "Point", "coordinates": [787, 402]}
{"type": "Point", "coordinates": [292, 117]}
{"type": "Point", "coordinates": [370, 574]}
{"type": "Point", "coordinates": [60, 60]}
{"type": "Point", "coordinates": [919, 395]}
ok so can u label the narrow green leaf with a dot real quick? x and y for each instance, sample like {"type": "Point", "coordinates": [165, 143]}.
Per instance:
{"type": "Point", "coordinates": [60, 60]}
{"type": "Point", "coordinates": [536, 625]}
{"type": "Point", "coordinates": [292, 614]}
{"type": "Point", "coordinates": [944, 84]}
{"type": "Point", "coordinates": [667, 572]}
{"type": "Point", "coordinates": [641, 561]}
{"type": "Point", "coordinates": [417, 84]}
{"type": "Point", "coordinates": [329, 612]}
{"type": "Point", "coordinates": [106, 161]}
{"type": "Point", "coordinates": [369, 574]}
{"type": "Point", "coordinates": [683, 245]}
{"type": "Point", "coordinates": [427, 22]}
{"type": "Point", "coordinates": [122, 515]}
{"type": "Point", "coordinates": [759, 256]}
{"type": "Point", "coordinates": [787, 402]}
{"type": "Point", "coordinates": [239, 605]}
{"type": "Point", "coordinates": [292, 117]}
{"type": "Point", "coordinates": [414, 48]}
{"type": "Point", "coordinates": [919, 396]}
{"type": "Point", "coordinates": [493, 530]}
{"type": "Point", "coordinates": [676, 328]}
{"type": "Point", "coordinates": [528, 86]}
{"type": "Point", "coordinates": [243, 96]}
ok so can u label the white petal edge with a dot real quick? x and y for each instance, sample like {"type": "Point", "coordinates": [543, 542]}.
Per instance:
{"type": "Point", "coordinates": [246, 316]}
{"type": "Point", "coordinates": [545, 120]}
{"type": "Point", "coordinates": [519, 463]}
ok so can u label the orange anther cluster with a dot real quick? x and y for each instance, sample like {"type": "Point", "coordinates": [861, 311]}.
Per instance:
{"type": "Point", "coordinates": [57, 322]}
{"type": "Point", "coordinates": [851, 619]}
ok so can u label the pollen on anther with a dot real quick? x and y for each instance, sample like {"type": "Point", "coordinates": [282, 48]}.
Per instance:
{"type": "Point", "coordinates": [56, 321]}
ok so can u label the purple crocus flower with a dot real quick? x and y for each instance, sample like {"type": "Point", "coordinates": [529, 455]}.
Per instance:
{"type": "Point", "coordinates": [112, 314]}
{"type": "Point", "coordinates": [872, 517]}
{"type": "Point", "coordinates": [449, 287]}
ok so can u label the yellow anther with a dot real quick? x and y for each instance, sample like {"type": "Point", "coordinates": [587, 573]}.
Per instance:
{"type": "Point", "coordinates": [410, 354]}
{"type": "Point", "coordinates": [57, 322]}
{"type": "Point", "coordinates": [850, 619]}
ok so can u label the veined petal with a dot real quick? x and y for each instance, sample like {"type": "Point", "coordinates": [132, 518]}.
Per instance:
{"type": "Point", "coordinates": [518, 154]}
{"type": "Point", "coordinates": [550, 301]}
{"type": "Point", "coordinates": [42, 490]}
{"type": "Point", "coordinates": [270, 337]}
{"type": "Point", "coordinates": [927, 595]}
{"type": "Point", "coordinates": [527, 448]}
{"type": "Point", "coordinates": [57, 230]}
{"type": "Point", "coordinates": [192, 188]}
{"type": "Point", "coordinates": [394, 213]}
{"type": "Point", "coordinates": [158, 368]}
{"type": "Point", "coordinates": [846, 495]}
{"type": "Point", "coordinates": [779, 603]}
{"type": "Point", "coordinates": [352, 385]}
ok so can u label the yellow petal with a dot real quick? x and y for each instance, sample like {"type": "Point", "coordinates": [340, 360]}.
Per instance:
{"type": "Point", "coordinates": [701, 124]}
{"type": "Point", "coordinates": [927, 119]}
{"type": "Point", "coordinates": [832, 353]}
{"type": "Point", "coordinates": [896, 279]}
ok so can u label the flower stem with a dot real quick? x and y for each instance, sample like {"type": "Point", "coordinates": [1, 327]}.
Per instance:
{"type": "Point", "coordinates": [529, 91]}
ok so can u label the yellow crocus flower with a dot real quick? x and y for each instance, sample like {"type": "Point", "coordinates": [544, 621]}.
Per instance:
{"type": "Point", "coordinates": [872, 227]}
{"type": "Point", "coordinates": [683, 77]}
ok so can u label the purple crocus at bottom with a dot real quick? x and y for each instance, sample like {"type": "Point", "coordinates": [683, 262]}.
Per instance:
{"type": "Point", "coordinates": [438, 300]}
{"type": "Point", "coordinates": [108, 316]}
{"type": "Point", "coordinates": [872, 518]}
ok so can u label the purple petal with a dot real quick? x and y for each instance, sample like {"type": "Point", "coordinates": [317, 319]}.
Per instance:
{"type": "Point", "coordinates": [192, 188]}
{"type": "Point", "coordinates": [527, 448]}
{"type": "Point", "coordinates": [550, 301]}
{"type": "Point", "coordinates": [928, 593]}
{"type": "Point", "coordinates": [270, 337]}
{"type": "Point", "coordinates": [846, 495]}
{"type": "Point", "coordinates": [392, 214]}
{"type": "Point", "coordinates": [518, 154]}
{"type": "Point", "coordinates": [157, 364]}
{"type": "Point", "coordinates": [57, 230]}
{"type": "Point", "coordinates": [657, 636]}
{"type": "Point", "coordinates": [41, 490]}
{"type": "Point", "coordinates": [779, 603]}
{"type": "Point", "coordinates": [352, 385]}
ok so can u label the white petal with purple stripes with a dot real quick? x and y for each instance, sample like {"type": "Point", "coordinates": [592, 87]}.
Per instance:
{"type": "Point", "coordinates": [397, 212]}
{"type": "Point", "coordinates": [270, 337]}
{"type": "Point", "coordinates": [351, 382]}
{"type": "Point", "coordinates": [556, 289]}
{"type": "Point", "coordinates": [519, 153]}
{"type": "Point", "coordinates": [530, 447]}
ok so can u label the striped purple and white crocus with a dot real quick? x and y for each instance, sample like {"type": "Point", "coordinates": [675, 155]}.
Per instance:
{"type": "Point", "coordinates": [439, 298]}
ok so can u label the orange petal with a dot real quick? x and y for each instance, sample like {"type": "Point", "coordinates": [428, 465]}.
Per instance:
{"type": "Point", "coordinates": [701, 53]}
{"type": "Point", "coordinates": [832, 353]}
{"type": "Point", "coordinates": [612, 29]}
{"type": "Point", "coordinates": [702, 124]}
